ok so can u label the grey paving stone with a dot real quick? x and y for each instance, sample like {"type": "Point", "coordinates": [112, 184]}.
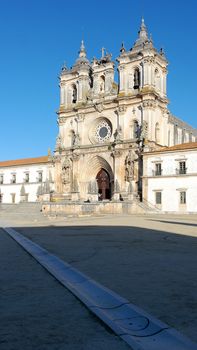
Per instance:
{"type": "Point", "coordinates": [144, 331]}
{"type": "Point", "coordinates": [151, 261]}
{"type": "Point", "coordinates": [36, 312]}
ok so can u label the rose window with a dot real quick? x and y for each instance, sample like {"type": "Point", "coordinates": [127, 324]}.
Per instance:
{"type": "Point", "coordinates": [103, 131]}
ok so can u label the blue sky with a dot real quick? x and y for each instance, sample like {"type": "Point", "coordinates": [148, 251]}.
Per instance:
{"type": "Point", "coordinates": [37, 36]}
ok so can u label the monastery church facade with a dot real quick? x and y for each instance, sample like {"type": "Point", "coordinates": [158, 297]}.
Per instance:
{"type": "Point", "coordinates": [105, 129]}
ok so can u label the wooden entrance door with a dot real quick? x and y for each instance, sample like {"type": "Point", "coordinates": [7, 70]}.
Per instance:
{"type": "Point", "coordinates": [104, 186]}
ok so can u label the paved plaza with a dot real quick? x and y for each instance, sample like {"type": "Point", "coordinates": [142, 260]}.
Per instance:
{"type": "Point", "coordinates": [149, 260]}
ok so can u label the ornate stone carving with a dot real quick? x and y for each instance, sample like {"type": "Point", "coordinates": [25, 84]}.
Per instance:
{"type": "Point", "coordinates": [56, 158]}
{"type": "Point", "coordinates": [80, 117]}
{"type": "Point", "coordinates": [149, 104]}
{"type": "Point", "coordinates": [99, 107]}
{"type": "Point", "coordinates": [59, 143]}
{"type": "Point", "coordinates": [66, 171]}
{"type": "Point", "coordinates": [61, 120]}
{"type": "Point", "coordinates": [93, 187]}
{"type": "Point", "coordinates": [144, 130]}
{"type": "Point", "coordinates": [122, 109]}
{"type": "Point", "coordinates": [100, 131]}
{"type": "Point", "coordinates": [76, 139]}
{"type": "Point", "coordinates": [149, 60]}
{"type": "Point", "coordinates": [116, 153]}
{"type": "Point", "coordinates": [118, 134]}
{"type": "Point", "coordinates": [75, 157]}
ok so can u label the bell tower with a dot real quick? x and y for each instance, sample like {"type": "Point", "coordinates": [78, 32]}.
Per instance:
{"type": "Point", "coordinates": [75, 82]}
{"type": "Point", "coordinates": [142, 67]}
{"type": "Point", "coordinates": [142, 81]}
{"type": "Point", "coordinates": [103, 75]}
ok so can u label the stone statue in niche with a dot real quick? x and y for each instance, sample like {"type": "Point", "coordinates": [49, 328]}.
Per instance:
{"type": "Point", "coordinates": [76, 139]}
{"type": "Point", "coordinates": [129, 171]}
{"type": "Point", "coordinates": [66, 172]}
{"type": "Point", "coordinates": [118, 134]}
{"type": "Point", "coordinates": [129, 165]}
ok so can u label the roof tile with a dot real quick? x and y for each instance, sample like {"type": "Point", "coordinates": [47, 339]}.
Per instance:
{"type": "Point", "coordinates": [26, 161]}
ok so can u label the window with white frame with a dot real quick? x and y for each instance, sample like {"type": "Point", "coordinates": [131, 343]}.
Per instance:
{"type": "Point", "coordinates": [183, 197]}
{"type": "Point", "coordinates": [40, 176]}
{"type": "Point", "coordinates": [158, 169]}
{"type": "Point", "coordinates": [13, 178]}
{"type": "Point", "coordinates": [182, 167]}
{"type": "Point", "coordinates": [158, 197]}
{"type": "Point", "coordinates": [26, 178]}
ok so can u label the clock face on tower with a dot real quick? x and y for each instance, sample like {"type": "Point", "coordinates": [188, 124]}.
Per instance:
{"type": "Point", "coordinates": [103, 131]}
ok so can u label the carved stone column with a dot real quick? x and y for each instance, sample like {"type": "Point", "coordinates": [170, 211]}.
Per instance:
{"type": "Point", "coordinates": [75, 189]}
{"type": "Point", "coordinates": [116, 154]}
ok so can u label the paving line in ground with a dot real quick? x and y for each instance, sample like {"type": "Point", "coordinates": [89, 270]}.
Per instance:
{"type": "Point", "coordinates": [137, 328]}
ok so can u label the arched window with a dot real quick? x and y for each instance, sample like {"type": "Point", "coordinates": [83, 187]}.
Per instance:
{"type": "Point", "coordinates": [74, 93]}
{"type": "Point", "coordinates": [136, 78]}
{"type": "Point", "coordinates": [157, 133]}
{"type": "Point", "coordinates": [102, 83]}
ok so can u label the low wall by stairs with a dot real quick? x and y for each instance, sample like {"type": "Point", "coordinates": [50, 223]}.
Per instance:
{"type": "Point", "coordinates": [94, 208]}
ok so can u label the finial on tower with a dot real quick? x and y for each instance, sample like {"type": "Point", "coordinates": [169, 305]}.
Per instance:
{"type": "Point", "coordinates": [82, 52]}
{"type": "Point", "coordinates": [143, 34]}
{"type": "Point", "coordinates": [82, 59]}
{"type": "Point", "coordinates": [142, 23]}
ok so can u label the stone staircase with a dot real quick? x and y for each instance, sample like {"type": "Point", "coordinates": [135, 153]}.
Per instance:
{"type": "Point", "coordinates": [148, 207]}
{"type": "Point", "coordinates": [32, 213]}
{"type": "Point", "coordinates": [22, 212]}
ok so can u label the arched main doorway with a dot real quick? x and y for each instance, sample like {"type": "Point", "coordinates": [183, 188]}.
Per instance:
{"type": "Point", "coordinates": [104, 185]}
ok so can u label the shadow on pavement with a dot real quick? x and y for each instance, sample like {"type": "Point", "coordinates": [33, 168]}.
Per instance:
{"type": "Point", "coordinates": [174, 222]}
{"type": "Point", "coordinates": [153, 269]}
